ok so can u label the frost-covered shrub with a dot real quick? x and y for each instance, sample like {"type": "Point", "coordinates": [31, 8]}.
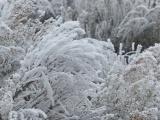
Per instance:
{"type": "Point", "coordinates": [23, 10]}
{"type": "Point", "coordinates": [63, 67]}
{"type": "Point", "coordinates": [20, 10]}
{"type": "Point", "coordinates": [140, 67]}
{"type": "Point", "coordinates": [131, 92]}
{"type": "Point", "coordinates": [130, 31]}
{"type": "Point", "coordinates": [145, 21]}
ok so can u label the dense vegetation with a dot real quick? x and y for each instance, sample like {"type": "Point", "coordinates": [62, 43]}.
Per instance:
{"type": "Point", "coordinates": [79, 60]}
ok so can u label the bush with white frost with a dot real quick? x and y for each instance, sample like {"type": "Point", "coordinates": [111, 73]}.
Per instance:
{"type": "Point", "coordinates": [62, 67]}
{"type": "Point", "coordinates": [132, 91]}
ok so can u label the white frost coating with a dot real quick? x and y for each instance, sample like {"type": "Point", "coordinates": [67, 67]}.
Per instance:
{"type": "Point", "coordinates": [133, 46]}
{"type": "Point", "coordinates": [32, 72]}
{"type": "Point", "coordinates": [49, 88]}
{"type": "Point", "coordinates": [13, 115]}
{"type": "Point", "coordinates": [36, 112]}
{"type": "Point", "coordinates": [139, 48]}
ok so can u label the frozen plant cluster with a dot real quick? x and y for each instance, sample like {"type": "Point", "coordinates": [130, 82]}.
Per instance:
{"type": "Point", "coordinates": [124, 21]}
{"type": "Point", "coordinates": [58, 63]}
